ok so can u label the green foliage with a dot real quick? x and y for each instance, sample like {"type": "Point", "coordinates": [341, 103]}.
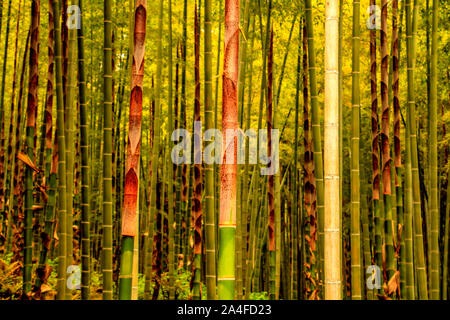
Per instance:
{"type": "Point", "coordinates": [259, 296]}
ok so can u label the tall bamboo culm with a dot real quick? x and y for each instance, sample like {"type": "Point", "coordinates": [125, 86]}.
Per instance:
{"type": "Point", "coordinates": [85, 179]}
{"type": "Point", "coordinates": [355, 231]}
{"type": "Point", "coordinates": [49, 165]}
{"type": "Point", "coordinates": [228, 179]}
{"type": "Point", "coordinates": [155, 150]}
{"type": "Point", "coordinates": [70, 107]}
{"type": "Point", "coordinates": [332, 220]}
{"type": "Point", "coordinates": [378, 238]}
{"type": "Point", "coordinates": [390, 267]}
{"type": "Point", "coordinates": [316, 134]}
{"type": "Point", "coordinates": [170, 196]}
{"type": "Point", "coordinates": [210, 225]}
{"type": "Point", "coordinates": [271, 178]}
{"type": "Point", "coordinates": [130, 208]}
{"type": "Point", "coordinates": [61, 143]}
{"type": "Point", "coordinates": [196, 212]}
{"type": "Point", "coordinates": [435, 262]}
{"type": "Point", "coordinates": [3, 165]}
{"type": "Point", "coordinates": [107, 243]}
{"type": "Point", "coordinates": [419, 255]}
{"type": "Point", "coordinates": [29, 144]}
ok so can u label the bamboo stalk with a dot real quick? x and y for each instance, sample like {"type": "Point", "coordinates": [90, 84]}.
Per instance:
{"type": "Point", "coordinates": [170, 178]}
{"type": "Point", "coordinates": [227, 221]}
{"type": "Point", "coordinates": [3, 167]}
{"type": "Point", "coordinates": [317, 135]}
{"type": "Point", "coordinates": [29, 143]}
{"type": "Point", "coordinates": [385, 152]}
{"type": "Point", "coordinates": [356, 263]}
{"type": "Point", "coordinates": [332, 229]}
{"type": "Point", "coordinates": [419, 257]}
{"type": "Point", "coordinates": [50, 167]}
{"type": "Point", "coordinates": [210, 239]}
{"type": "Point", "coordinates": [131, 187]}
{"type": "Point", "coordinates": [10, 164]}
{"type": "Point", "coordinates": [434, 211]}
{"type": "Point", "coordinates": [197, 214]}
{"type": "Point", "coordinates": [85, 183]}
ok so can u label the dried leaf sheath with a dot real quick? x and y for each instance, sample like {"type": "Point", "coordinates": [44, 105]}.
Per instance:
{"type": "Point", "coordinates": [134, 134]}
{"type": "Point", "coordinates": [230, 116]}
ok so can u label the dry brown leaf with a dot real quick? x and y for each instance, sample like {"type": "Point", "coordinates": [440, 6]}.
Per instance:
{"type": "Point", "coordinates": [394, 283]}
{"type": "Point", "coordinates": [25, 159]}
{"type": "Point", "coordinates": [45, 288]}
{"type": "Point", "coordinates": [42, 189]}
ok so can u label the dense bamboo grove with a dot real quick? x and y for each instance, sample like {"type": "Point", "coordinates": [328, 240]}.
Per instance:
{"type": "Point", "coordinates": [253, 149]}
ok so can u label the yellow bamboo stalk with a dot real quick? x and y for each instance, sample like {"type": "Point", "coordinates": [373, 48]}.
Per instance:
{"type": "Point", "coordinates": [332, 223]}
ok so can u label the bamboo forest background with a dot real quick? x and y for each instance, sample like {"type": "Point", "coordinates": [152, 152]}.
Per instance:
{"type": "Point", "coordinates": [112, 218]}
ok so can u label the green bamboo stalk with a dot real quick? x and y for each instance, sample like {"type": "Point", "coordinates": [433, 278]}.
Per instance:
{"type": "Point", "coordinates": [385, 150]}
{"type": "Point", "coordinates": [445, 264]}
{"type": "Point", "coordinates": [11, 160]}
{"type": "Point", "coordinates": [295, 189]}
{"type": "Point", "coordinates": [171, 245]}
{"type": "Point", "coordinates": [277, 193]}
{"type": "Point", "coordinates": [367, 252]}
{"type": "Point", "coordinates": [3, 167]}
{"type": "Point", "coordinates": [50, 167]}
{"type": "Point", "coordinates": [183, 173]}
{"type": "Point", "coordinates": [210, 228]}
{"type": "Point", "coordinates": [29, 145]}
{"type": "Point", "coordinates": [419, 257]}
{"type": "Point", "coordinates": [148, 245]}
{"type": "Point", "coordinates": [397, 142]}
{"type": "Point", "coordinates": [283, 65]}
{"type": "Point", "coordinates": [316, 132]}
{"type": "Point", "coordinates": [158, 227]}
{"type": "Point", "coordinates": [247, 177]}
{"type": "Point", "coordinates": [61, 206]}
{"type": "Point", "coordinates": [252, 234]}
{"type": "Point", "coordinates": [178, 177]}
{"type": "Point", "coordinates": [241, 184]}
{"type": "Point", "coordinates": [409, 210]}
{"type": "Point", "coordinates": [107, 258]}
{"type": "Point", "coordinates": [434, 211]}
{"type": "Point", "coordinates": [70, 146]}
{"type": "Point", "coordinates": [85, 185]}
{"type": "Point", "coordinates": [244, 119]}
{"type": "Point", "coordinates": [272, 244]}
{"type": "Point", "coordinates": [156, 142]}
{"type": "Point", "coordinates": [356, 263]}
